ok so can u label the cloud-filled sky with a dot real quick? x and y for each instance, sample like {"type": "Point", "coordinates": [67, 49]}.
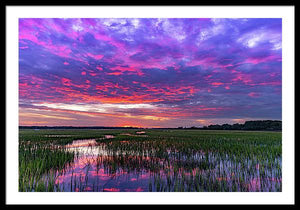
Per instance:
{"type": "Point", "coordinates": [149, 72]}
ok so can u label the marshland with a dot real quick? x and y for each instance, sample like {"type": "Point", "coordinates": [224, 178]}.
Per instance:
{"type": "Point", "coordinates": [149, 160]}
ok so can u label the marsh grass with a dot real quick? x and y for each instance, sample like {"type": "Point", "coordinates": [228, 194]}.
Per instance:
{"type": "Point", "coordinates": [173, 160]}
{"type": "Point", "coordinates": [35, 160]}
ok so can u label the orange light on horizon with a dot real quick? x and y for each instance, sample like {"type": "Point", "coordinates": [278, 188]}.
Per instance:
{"type": "Point", "coordinates": [130, 125]}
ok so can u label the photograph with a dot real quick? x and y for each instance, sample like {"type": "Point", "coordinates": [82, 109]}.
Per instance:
{"type": "Point", "coordinates": [158, 90]}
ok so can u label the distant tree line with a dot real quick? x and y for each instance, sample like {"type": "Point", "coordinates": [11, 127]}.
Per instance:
{"type": "Point", "coordinates": [275, 125]}
{"type": "Point", "coordinates": [271, 125]}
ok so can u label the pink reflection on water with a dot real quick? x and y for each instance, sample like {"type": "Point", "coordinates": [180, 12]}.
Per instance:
{"type": "Point", "coordinates": [144, 176]}
{"type": "Point", "coordinates": [82, 143]}
{"type": "Point", "coordinates": [140, 132]}
{"type": "Point", "coordinates": [129, 134]}
{"type": "Point", "coordinates": [89, 169]}
{"type": "Point", "coordinates": [193, 172]}
{"type": "Point", "coordinates": [124, 141]}
{"type": "Point", "coordinates": [139, 189]}
{"type": "Point", "coordinates": [254, 184]}
{"type": "Point", "coordinates": [87, 189]}
{"type": "Point", "coordinates": [99, 173]}
{"type": "Point", "coordinates": [109, 136]}
{"type": "Point", "coordinates": [223, 179]}
{"type": "Point", "coordinates": [111, 189]}
{"type": "Point", "coordinates": [257, 166]}
{"type": "Point", "coordinates": [273, 179]}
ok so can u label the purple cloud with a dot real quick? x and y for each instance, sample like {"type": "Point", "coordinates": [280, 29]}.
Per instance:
{"type": "Point", "coordinates": [185, 69]}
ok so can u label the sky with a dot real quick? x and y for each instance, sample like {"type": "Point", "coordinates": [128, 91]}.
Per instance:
{"type": "Point", "coordinates": [149, 72]}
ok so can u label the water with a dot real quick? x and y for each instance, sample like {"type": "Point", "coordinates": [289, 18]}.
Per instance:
{"type": "Point", "coordinates": [98, 168]}
{"type": "Point", "coordinates": [89, 171]}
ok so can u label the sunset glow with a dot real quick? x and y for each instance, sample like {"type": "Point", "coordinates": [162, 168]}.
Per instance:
{"type": "Point", "coordinates": [149, 72]}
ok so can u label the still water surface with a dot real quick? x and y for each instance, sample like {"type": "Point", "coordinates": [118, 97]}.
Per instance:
{"type": "Point", "coordinates": [97, 169]}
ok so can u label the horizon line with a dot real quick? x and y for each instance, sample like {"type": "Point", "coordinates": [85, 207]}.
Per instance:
{"type": "Point", "coordinates": [138, 127]}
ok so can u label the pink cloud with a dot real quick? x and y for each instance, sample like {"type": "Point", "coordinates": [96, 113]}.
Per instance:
{"type": "Point", "coordinates": [262, 60]}
{"type": "Point", "coordinates": [254, 95]}
{"type": "Point", "coordinates": [93, 74]}
{"type": "Point", "coordinates": [121, 68]}
{"type": "Point", "coordinates": [115, 73]}
{"type": "Point", "coordinates": [66, 81]}
{"type": "Point", "coordinates": [96, 57]}
{"type": "Point", "coordinates": [217, 83]}
{"type": "Point", "coordinates": [99, 68]}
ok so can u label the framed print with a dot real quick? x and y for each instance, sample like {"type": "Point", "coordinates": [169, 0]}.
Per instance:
{"type": "Point", "coordinates": [150, 104]}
